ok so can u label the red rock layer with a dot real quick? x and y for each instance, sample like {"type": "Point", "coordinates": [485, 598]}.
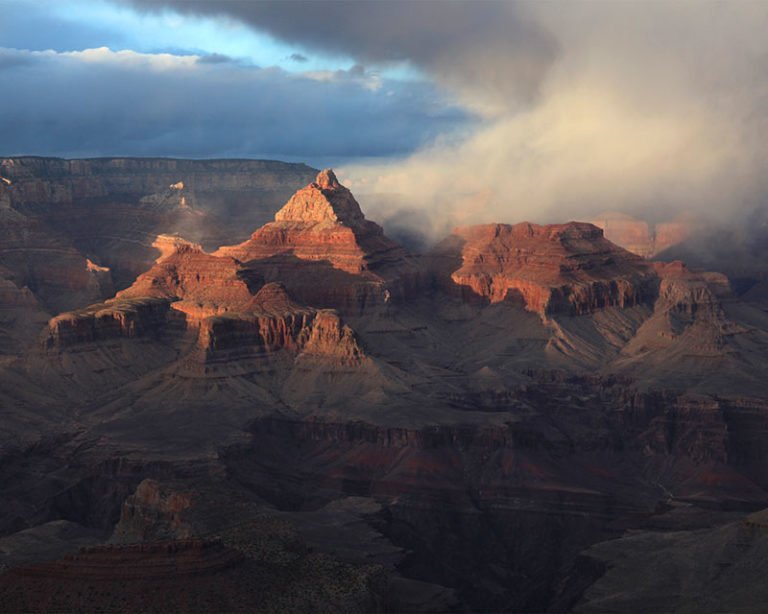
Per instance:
{"type": "Point", "coordinates": [231, 323]}
{"type": "Point", "coordinates": [321, 222]}
{"type": "Point", "coordinates": [60, 277]}
{"type": "Point", "coordinates": [273, 322]}
{"type": "Point", "coordinates": [567, 268]}
{"type": "Point", "coordinates": [111, 209]}
{"type": "Point", "coordinates": [325, 251]}
{"type": "Point", "coordinates": [110, 320]}
{"type": "Point", "coordinates": [201, 284]}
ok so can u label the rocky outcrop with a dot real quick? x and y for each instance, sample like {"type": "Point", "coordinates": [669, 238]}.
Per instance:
{"type": "Point", "coordinates": [560, 268]}
{"type": "Point", "coordinates": [154, 513]}
{"type": "Point", "coordinates": [104, 321]}
{"type": "Point", "coordinates": [687, 292]}
{"type": "Point", "coordinates": [111, 209]}
{"type": "Point", "coordinates": [21, 315]}
{"type": "Point", "coordinates": [44, 261]}
{"type": "Point", "coordinates": [321, 222]}
{"type": "Point", "coordinates": [695, 561]}
{"type": "Point", "coordinates": [272, 322]}
{"type": "Point", "coordinates": [640, 237]}
{"type": "Point", "coordinates": [325, 251]}
{"type": "Point", "coordinates": [202, 284]}
{"type": "Point", "coordinates": [206, 294]}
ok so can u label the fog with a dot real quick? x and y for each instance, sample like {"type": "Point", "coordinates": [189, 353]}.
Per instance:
{"type": "Point", "coordinates": [652, 108]}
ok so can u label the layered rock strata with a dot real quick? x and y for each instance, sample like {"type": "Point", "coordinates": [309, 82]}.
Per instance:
{"type": "Point", "coordinates": [569, 268]}
{"type": "Point", "coordinates": [110, 209]}
{"type": "Point", "coordinates": [325, 251]}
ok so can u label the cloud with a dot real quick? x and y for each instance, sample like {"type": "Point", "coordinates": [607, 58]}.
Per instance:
{"type": "Point", "coordinates": [127, 57]}
{"type": "Point", "coordinates": [298, 57]}
{"type": "Point", "coordinates": [103, 102]}
{"type": "Point", "coordinates": [566, 108]}
{"type": "Point", "coordinates": [356, 74]}
{"type": "Point", "coordinates": [214, 58]}
{"type": "Point", "coordinates": [652, 108]}
{"type": "Point", "coordinates": [491, 52]}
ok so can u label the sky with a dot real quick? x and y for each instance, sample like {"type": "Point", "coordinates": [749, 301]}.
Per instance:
{"type": "Point", "coordinates": [450, 111]}
{"type": "Point", "coordinates": [94, 78]}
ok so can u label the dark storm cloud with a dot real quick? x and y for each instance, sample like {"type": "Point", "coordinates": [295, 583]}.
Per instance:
{"type": "Point", "coordinates": [215, 58]}
{"type": "Point", "coordinates": [100, 102]}
{"type": "Point", "coordinates": [490, 51]}
{"type": "Point", "coordinates": [651, 107]}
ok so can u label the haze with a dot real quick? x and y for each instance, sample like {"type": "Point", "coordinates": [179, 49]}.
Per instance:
{"type": "Point", "coordinates": [490, 111]}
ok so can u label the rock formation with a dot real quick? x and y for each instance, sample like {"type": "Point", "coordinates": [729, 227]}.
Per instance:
{"type": "Point", "coordinates": [199, 284]}
{"type": "Point", "coordinates": [640, 237]}
{"type": "Point", "coordinates": [232, 314]}
{"type": "Point", "coordinates": [568, 268]}
{"type": "Point", "coordinates": [105, 321]}
{"type": "Point", "coordinates": [111, 209]}
{"type": "Point", "coordinates": [270, 322]}
{"type": "Point", "coordinates": [353, 264]}
{"type": "Point", "coordinates": [153, 513]}
{"type": "Point", "coordinates": [41, 259]}
{"type": "Point", "coordinates": [468, 423]}
{"type": "Point", "coordinates": [21, 314]}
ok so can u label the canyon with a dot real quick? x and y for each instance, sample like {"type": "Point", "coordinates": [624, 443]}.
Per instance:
{"type": "Point", "coordinates": [221, 377]}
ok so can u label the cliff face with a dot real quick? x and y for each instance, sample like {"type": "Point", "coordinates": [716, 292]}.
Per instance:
{"type": "Point", "coordinates": [42, 260]}
{"type": "Point", "coordinates": [43, 181]}
{"type": "Point", "coordinates": [569, 268]}
{"type": "Point", "coordinates": [325, 251]}
{"type": "Point", "coordinates": [270, 293]}
{"type": "Point", "coordinates": [272, 322]}
{"type": "Point", "coordinates": [201, 283]}
{"type": "Point", "coordinates": [106, 321]}
{"type": "Point", "coordinates": [153, 513]}
{"type": "Point", "coordinates": [111, 210]}
{"type": "Point", "coordinates": [321, 222]}
{"type": "Point", "coordinates": [496, 501]}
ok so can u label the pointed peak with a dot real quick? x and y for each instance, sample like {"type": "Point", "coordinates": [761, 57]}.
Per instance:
{"type": "Point", "coordinates": [325, 200]}
{"type": "Point", "coordinates": [326, 180]}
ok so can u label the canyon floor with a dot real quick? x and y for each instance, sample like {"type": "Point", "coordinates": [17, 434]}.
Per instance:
{"type": "Point", "coordinates": [223, 387]}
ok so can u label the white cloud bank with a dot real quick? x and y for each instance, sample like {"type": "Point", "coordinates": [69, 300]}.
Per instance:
{"type": "Point", "coordinates": [651, 106]}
